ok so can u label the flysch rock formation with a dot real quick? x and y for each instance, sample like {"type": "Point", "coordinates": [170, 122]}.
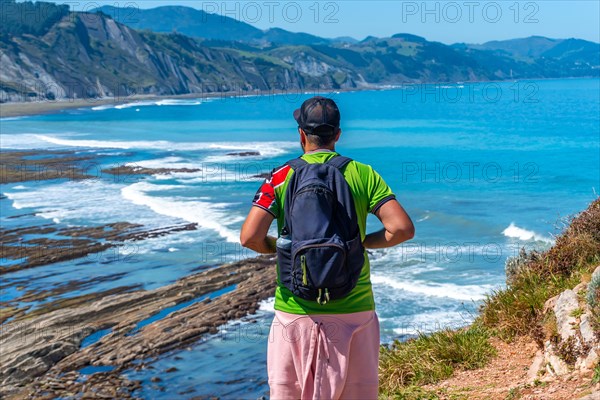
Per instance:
{"type": "Point", "coordinates": [42, 355]}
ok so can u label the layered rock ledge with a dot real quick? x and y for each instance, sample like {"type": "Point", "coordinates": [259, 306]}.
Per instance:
{"type": "Point", "coordinates": [42, 355]}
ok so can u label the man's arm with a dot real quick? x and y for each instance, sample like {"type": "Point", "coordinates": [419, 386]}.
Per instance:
{"type": "Point", "coordinates": [255, 229]}
{"type": "Point", "coordinates": [397, 227]}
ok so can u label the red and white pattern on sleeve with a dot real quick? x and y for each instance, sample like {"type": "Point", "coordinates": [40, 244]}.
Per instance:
{"type": "Point", "coordinates": [265, 196]}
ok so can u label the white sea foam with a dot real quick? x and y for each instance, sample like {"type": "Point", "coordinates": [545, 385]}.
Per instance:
{"type": "Point", "coordinates": [266, 149]}
{"type": "Point", "coordinates": [430, 322]}
{"type": "Point", "coordinates": [109, 153]}
{"type": "Point", "coordinates": [447, 290]}
{"type": "Point", "coordinates": [177, 163]}
{"type": "Point", "coordinates": [267, 305]}
{"type": "Point", "coordinates": [167, 162]}
{"type": "Point", "coordinates": [10, 119]}
{"type": "Point", "coordinates": [135, 104]}
{"type": "Point", "coordinates": [450, 87]}
{"type": "Point", "coordinates": [23, 141]}
{"type": "Point", "coordinates": [440, 253]}
{"type": "Point", "coordinates": [205, 171]}
{"type": "Point", "coordinates": [513, 231]}
{"type": "Point", "coordinates": [177, 102]}
{"type": "Point", "coordinates": [103, 107]}
{"type": "Point", "coordinates": [147, 103]}
{"type": "Point", "coordinates": [224, 175]}
{"type": "Point", "coordinates": [224, 158]}
{"type": "Point", "coordinates": [75, 202]}
{"type": "Point", "coordinates": [175, 241]}
{"type": "Point", "coordinates": [207, 215]}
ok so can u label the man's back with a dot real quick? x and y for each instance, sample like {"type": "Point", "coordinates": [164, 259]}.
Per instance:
{"type": "Point", "coordinates": [369, 192]}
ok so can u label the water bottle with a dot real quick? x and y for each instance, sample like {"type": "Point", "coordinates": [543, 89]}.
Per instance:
{"type": "Point", "coordinates": [284, 242]}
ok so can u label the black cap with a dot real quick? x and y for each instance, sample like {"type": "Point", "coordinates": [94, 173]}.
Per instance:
{"type": "Point", "coordinates": [318, 115]}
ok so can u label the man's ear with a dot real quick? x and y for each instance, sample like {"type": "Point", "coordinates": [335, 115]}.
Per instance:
{"type": "Point", "coordinates": [302, 135]}
{"type": "Point", "coordinates": [337, 136]}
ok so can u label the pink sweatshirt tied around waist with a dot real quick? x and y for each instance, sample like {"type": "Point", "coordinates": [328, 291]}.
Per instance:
{"type": "Point", "coordinates": [324, 356]}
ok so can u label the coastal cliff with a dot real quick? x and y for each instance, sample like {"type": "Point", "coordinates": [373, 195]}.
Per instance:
{"type": "Point", "coordinates": [51, 53]}
{"type": "Point", "coordinates": [85, 56]}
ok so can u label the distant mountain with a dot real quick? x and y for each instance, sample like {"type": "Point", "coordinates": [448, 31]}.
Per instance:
{"type": "Point", "coordinates": [575, 50]}
{"type": "Point", "coordinates": [281, 36]}
{"type": "Point", "coordinates": [200, 24]}
{"type": "Point", "coordinates": [83, 55]}
{"type": "Point", "coordinates": [344, 39]}
{"type": "Point", "coordinates": [185, 20]}
{"type": "Point", "coordinates": [530, 47]}
{"type": "Point", "coordinates": [535, 47]}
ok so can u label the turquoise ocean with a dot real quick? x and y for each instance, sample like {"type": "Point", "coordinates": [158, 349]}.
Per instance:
{"type": "Point", "coordinates": [483, 169]}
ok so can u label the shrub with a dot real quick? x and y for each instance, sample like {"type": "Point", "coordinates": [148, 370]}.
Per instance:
{"type": "Point", "coordinates": [577, 246]}
{"type": "Point", "coordinates": [514, 266]}
{"type": "Point", "coordinates": [518, 309]}
{"type": "Point", "coordinates": [593, 300]}
{"type": "Point", "coordinates": [593, 291]}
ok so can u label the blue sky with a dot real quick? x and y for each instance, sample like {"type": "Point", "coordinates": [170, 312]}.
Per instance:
{"type": "Point", "coordinates": [444, 21]}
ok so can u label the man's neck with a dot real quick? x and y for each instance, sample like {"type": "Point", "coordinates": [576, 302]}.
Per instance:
{"type": "Point", "coordinates": [318, 150]}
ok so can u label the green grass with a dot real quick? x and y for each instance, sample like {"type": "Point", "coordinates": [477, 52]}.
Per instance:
{"type": "Point", "coordinates": [517, 310]}
{"type": "Point", "coordinates": [431, 358]}
{"type": "Point", "coordinates": [596, 377]}
{"type": "Point", "coordinates": [539, 383]}
{"type": "Point", "coordinates": [577, 312]}
{"type": "Point", "coordinates": [514, 393]}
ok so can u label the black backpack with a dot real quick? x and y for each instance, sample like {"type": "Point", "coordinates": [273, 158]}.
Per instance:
{"type": "Point", "coordinates": [320, 251]}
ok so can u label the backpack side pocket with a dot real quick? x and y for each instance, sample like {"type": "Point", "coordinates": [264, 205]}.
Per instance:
{"type": "Point", "coordinates": [284, 260]}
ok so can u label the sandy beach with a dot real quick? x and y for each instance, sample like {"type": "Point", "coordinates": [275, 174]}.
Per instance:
{"type": "Point", "coordinates": [19, 109]}
{"type": "Point", "coordinates": [39, 107]}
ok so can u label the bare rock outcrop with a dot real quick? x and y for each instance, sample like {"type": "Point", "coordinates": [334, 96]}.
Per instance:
{"type": "Point", "coordinates": [572, 344]}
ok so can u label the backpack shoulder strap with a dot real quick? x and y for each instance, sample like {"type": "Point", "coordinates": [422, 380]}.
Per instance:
{"type": "Point", "coordinates": [296, 163]}
{"type": "Point", "coordinates": [339, 161]}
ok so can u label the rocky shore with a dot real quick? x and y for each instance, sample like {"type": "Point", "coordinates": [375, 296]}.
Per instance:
{"type": "Point", "coordinates": [34, 165]}
{"type": "Point", "coordinates": [82, 344]}
{"type": "Point", "coordinates": [83, 241]}
{"type": "Point", "coordinates": [43, 355]}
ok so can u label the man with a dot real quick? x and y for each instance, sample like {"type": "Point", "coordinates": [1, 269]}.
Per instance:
{"type": "Point", "coordinates": [325, 351]}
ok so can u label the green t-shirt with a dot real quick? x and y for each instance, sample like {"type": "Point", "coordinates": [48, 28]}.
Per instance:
{"type": "Point", "coordinates": [369, 191]}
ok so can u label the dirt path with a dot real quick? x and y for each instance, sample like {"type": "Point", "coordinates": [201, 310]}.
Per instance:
{"type": "Point", "coordinates": [505, 378]}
